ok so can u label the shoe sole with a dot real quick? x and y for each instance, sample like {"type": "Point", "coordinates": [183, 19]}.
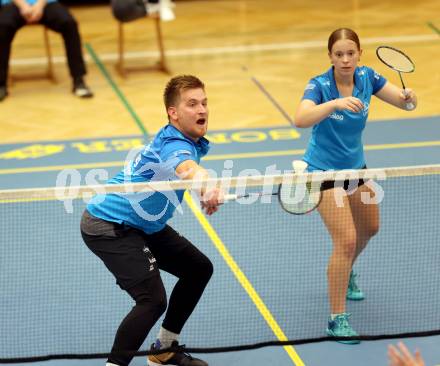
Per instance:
{"type": "Point", "coordinates": [355, 298]}
{"type": "Point", "coordinates": [151, 363]}
{"type": "Point", "coordinates": [330, 333]}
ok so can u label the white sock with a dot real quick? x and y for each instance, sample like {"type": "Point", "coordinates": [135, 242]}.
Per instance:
{"type": "Point", "coordinates": [110, 364]}
{"type": "Point", "coordinates": [333, 316]}
{"type": "Point", "coordinates": [166, 337]}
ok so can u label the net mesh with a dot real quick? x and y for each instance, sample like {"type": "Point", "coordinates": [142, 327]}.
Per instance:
{"type": "Point", "coordinates": [58, 299]}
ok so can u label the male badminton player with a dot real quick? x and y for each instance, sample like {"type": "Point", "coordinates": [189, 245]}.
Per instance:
{"type": "Point", "coordinates": [129, 232]}
{"type": "Point", "coordinates": [336, 105]}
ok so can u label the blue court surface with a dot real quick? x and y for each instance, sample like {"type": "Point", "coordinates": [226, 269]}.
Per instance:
{"type": "Point", "coordinates": [282, 257]}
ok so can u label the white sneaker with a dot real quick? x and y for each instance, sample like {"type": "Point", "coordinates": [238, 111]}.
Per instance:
{"type": "Point", "coordinates": [164, 8]}
{"type": "Point", "coordinates": [81, 90]}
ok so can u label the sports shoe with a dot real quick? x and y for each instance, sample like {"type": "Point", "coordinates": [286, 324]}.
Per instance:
{"type": "Point", "coordinates": [81, 90]}
{"type": "Point", "coordinates": [164, 8]}
{"type": "Point", "coordinates": [179, 358]}
{"type": "Point", "coordinates": [339, 327]}
{"type": "Point", "coordinates": [3, 92]}
{"type": "Point", "coordinates": [353, 291]}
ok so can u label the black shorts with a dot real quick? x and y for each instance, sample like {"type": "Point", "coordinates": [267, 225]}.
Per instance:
{"type": "Point", "coordinates": [132, 255]}
{"type": "Point", "coordinates": [347, 184]}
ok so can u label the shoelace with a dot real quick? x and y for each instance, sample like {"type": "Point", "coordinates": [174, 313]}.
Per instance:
{"type": "Point", "coordinates": [181, 348]}
{"type": "Point", "coordinates": [352, 284]}
{"type": "Point", "coordinates": [342, 321]}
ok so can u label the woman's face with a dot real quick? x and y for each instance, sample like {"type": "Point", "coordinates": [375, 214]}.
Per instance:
{"type": "Point", "coordinates": [345, 56]}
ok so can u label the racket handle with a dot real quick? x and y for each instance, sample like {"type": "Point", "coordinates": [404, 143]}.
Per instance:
{"type": "Point", "coordinates": [230, 197]}
{"type": "Point", "coordinates": [408, 106]}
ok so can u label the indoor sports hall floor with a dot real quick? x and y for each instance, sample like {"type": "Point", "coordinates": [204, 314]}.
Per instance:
{"type": "Point", "coordinates": [254, 76]}
{"type": "Point", "coordinates": [248, 149]}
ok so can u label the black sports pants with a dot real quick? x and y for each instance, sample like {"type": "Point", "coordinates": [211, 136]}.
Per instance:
{"type": "Point", "coordinates": [135, 258]}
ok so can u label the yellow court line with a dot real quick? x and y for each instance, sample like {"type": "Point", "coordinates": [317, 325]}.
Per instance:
{"type": "Point", "coordinates": [250, 155]}
{"type": "Point", "coordinates": [242, 279]}
{"type": "Point", "coordinates": [26, 200]}
{"type": "Point", "coordinates": [402, 145]}
{"type": "Point", "coordinates": [40, 169]}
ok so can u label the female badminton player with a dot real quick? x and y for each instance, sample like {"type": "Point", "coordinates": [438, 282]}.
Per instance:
{"type": "Point", "coordinates": [336, 105]}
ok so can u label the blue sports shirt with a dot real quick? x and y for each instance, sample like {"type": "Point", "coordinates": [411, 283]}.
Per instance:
{"type": "Point", "coordinates": [149, 211]}
{"type": "Point", "coordinates": [30, 2]}
{"type": "Point", "coordinates": [336, 141]}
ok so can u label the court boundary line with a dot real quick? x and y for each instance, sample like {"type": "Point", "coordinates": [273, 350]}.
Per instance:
{"type": "Point", "coordinates": [242, 279]}
{"type": "Point", "coordinates": [271, 98]}
{"type": "Point", "coordinates": [256, 154]}
{"type": "Point", "coordinates": [210, 51]}
{"type": "Point", "coordinates": [433, 27]}
{"type": "Point", "coordinates": [116, 89]}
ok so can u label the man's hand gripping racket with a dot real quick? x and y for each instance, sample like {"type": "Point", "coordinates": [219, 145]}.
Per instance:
{"type": "Point", "coordinates": [296, 196]}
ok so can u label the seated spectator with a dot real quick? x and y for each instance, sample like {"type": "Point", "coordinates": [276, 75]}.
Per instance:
{"type": "Point", "coordinates": [15, 14]}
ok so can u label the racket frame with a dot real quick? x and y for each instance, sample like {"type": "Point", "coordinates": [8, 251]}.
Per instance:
{"type": "Point", "coordinates": [298, 213]}
{"type": "Point", "coordinates": [409, 106]}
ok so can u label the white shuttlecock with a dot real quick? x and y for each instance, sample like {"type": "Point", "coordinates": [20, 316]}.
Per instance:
{"type": "Point", "coordinates": [299, 166]}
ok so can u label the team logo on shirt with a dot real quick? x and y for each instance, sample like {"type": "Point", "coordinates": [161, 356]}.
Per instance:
{"type": "Point", "coordinates": [160, 171]}
{"type": "Point", "coordinates": [182, 152]}
{"type": "Point", "coordinates": [336, 116]}
{"type": "Point", "coordinates": [366, 109]}
{"type": "Point", "coordinates": [310, 86]}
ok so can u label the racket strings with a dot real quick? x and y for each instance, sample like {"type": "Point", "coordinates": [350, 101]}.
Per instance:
{"type": "Point", "coordinates": [300, 197]}
{"type": "Point", "coordinates": [395, 59]}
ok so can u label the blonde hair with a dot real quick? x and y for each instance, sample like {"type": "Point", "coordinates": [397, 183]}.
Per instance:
{"type": "Point", "coordinates": [178, 84]}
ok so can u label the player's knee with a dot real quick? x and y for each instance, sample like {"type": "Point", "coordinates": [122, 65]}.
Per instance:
{"type": "Point", "coordinates": [201, 270]}
{"type": "Point", "coordinates": [150, 294]}
{"type": "Point", "coordinates": [69, 23]}
{"type": "Point", "coordinates": [206, 269]}
{"type": "Point", "coordinates": [347, 246]}
{"type": "Point", "coordinates": [156, 302]}
{"type": "Point", "coordinates": [160, 303]}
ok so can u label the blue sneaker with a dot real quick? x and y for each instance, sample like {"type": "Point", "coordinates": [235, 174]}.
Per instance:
{"type": "Point", "coordinates": [339, 327]}
{"type": "Point", "coordinates": [353, 291]}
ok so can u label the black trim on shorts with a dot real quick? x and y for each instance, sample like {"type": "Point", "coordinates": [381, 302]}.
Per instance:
{"type": "Point", "coordinates": [348, 184]}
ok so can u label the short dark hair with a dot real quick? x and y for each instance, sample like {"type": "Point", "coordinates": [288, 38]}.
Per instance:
{"type": "Point", "coordinates": [178, 84]}
{"type": "Point", "coordinates": [343, 33]}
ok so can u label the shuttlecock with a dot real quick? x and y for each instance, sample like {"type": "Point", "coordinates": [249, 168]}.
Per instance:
{"type": "Point", "coordinates": [299, 166]}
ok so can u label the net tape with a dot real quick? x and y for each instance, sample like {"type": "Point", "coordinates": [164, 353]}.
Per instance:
{"type": "Point", "coordinates": [87, 191]}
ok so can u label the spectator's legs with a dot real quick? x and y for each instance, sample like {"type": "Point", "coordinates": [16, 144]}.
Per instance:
{"type": "Point", "coordinates": [10, 22]}
{"type": "Point", "coordinates": [58, 18]}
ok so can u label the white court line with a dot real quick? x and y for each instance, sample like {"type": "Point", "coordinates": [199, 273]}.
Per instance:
{"type": "Point", "coordinates": [234, 49]}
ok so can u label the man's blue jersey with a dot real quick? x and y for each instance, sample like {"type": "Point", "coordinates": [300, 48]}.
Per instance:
{"type": "Point", "coordinates": [336, 141]}
{"type": "Point", "coordinates": [149, 211]}
{"type": "Point", "coordinates": [30, 2]}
